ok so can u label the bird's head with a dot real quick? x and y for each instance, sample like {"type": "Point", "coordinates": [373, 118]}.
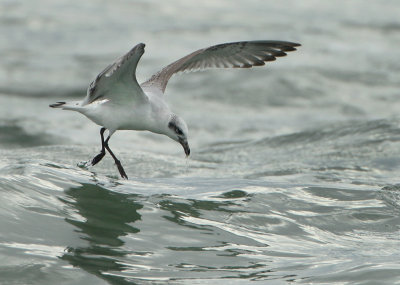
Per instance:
{"type": "Point", "coordinates": [178, 131]}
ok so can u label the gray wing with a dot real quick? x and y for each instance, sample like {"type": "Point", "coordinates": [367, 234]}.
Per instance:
{"type": "Point", "coordinates": [117, 82]}
{"type": "Point", "coordinates": [236, 55]}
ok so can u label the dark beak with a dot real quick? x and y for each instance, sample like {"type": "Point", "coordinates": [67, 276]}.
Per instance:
{"type": "Point", "coordinates": [185, 146]}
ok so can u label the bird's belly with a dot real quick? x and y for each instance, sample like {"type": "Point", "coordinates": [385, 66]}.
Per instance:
{"type": "Point", "coordinates": [118, 117]}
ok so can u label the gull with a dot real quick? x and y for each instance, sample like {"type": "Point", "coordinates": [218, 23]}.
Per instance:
{"type": "Point", "coordinates": [116, 101]}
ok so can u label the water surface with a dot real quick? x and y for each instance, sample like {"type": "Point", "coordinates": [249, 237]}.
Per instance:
{"type": "Point", "coordinates": [293, 176]}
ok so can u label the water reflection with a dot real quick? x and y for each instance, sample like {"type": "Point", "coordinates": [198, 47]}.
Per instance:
{"type": "Point", "coordinates": [104, 217]}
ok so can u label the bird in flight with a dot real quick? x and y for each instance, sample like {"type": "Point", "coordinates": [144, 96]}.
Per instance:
{"type": "Point", "coordinates": [116, 101]}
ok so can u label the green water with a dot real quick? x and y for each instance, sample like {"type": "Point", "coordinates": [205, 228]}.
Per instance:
{"type": "Point", "coordinates": [293, 173]}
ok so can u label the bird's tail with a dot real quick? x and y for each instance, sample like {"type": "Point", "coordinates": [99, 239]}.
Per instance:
{"type": "Point", "coordinates": [57, 105]}
{"type": "Point", "coordinates": [76, 105]}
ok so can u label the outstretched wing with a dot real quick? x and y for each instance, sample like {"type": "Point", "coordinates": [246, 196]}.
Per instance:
{"type": "Point", "coordinates": [236, 55]}
{"type": "Point", "coordinates": [117, 82]}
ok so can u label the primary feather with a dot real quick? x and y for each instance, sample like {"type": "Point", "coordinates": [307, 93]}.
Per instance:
{"type": "Point", "coordinates": [228, 55]}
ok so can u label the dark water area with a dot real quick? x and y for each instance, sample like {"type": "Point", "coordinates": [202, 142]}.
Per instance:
{"type": "Point", "coordinates": [293, 176]}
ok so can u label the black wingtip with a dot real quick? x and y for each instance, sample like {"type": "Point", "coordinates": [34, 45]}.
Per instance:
{"type": "Point", "coordinates": [291, 47]}
{"type": "Point", "coordinates": [58, 104]}
{"type": "Point", "coordinates": [139, 46]}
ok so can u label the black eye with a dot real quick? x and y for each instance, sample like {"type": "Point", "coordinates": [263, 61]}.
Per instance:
{"type": "Point", "coordinates": [175, 128]}
{"type": "Point", "coordinates": [178, 131]}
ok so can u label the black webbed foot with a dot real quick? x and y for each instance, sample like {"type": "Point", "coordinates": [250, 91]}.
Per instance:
{"type": "Point", "coordinates": [121, 169]}
{"type": "Point", "coordinates": [98, 157]}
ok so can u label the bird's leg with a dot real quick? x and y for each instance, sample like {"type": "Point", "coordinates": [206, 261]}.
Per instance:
{"type": "Point", "coordinates": [117, 162]}
{"type": "Point", "coordinates": [100, 156]}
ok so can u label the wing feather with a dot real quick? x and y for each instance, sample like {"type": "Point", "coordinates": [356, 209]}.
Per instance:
{"type": "Point", "coordinates": [117, 81]}
{"type": "Point", "coordinates": [228, 55]}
